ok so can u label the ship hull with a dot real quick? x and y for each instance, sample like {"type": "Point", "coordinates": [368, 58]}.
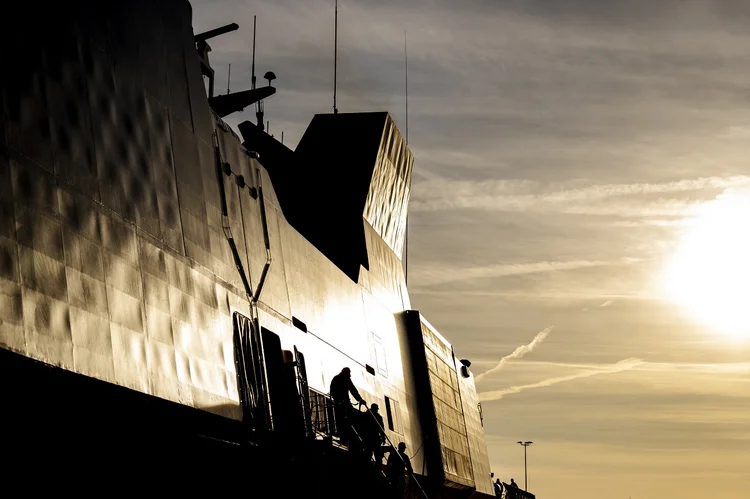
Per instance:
{"type": "Point", "coordinates": [167, 317]}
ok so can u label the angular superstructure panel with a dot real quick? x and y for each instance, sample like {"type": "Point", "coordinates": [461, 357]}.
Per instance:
{"type": "Point", "coordinates": [346, 168]}
{"type": "Point", "coordinates": [448, 415]}
{"type": "Point", "coordinates": [390, 186]}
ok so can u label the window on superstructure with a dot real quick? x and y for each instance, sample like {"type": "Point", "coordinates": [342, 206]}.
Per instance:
{"type": "Point", "coordinates": [377, 354]}
{"type": "Point", "coordinates": [393, 415]}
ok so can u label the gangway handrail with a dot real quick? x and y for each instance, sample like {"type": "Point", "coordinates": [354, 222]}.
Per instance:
{"type": "Point", "coordinates": [328, 398]}
{"type": "Point", "coordinates": [395, 449]}
{"type": "Point", "coordinates": [510, 492]}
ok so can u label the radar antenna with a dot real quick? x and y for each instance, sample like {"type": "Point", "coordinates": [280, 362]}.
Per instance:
{"type": "Point", "coordinates": [230, 103]}
{"type": "Point", "coordinates": [335, 53]}
{"type": "Point", "coordinates": [204, 48]}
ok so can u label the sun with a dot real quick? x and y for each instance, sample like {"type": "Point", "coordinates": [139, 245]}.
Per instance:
{"type": "Point", "coordinates": [709, 274]}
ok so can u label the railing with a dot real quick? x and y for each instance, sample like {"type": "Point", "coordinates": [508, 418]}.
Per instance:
{"type": "Point", "coordinates": [323, 421]}
{"type": "Point", "coordinates": [422, 493]}
{"type": "Point", "coordinates": [510, 492]}
{"type": "Point", "coordinates": [321, 414]}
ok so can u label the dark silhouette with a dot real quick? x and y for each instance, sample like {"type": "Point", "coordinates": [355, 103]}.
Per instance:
{"type": "Point", "coordinates": [374, 435]}
{"type": "Point", "coordinates": [341, 387]}
{"type": "Point", "coordinates": [398, 470]}
{"type": "Point", "coordinates": [513, 484]}
{"type": "Point", "coordinates": [498, 488]}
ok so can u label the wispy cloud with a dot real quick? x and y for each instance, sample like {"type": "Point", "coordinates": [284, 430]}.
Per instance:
{"type": "Point", "coordinates": [669, 367]}
{"type": "Point", "coordinates": [716, 368]}
{"type": "Point", "coordinates": [623, 365]}
{"type": "Point", "coordinates": [431, 276]}
{"type": "Point", "coordinates": [606, 303]}
{"type": "Point", "coordinates": [517, 353]}
{"type": "Point", "coordinates": [542, 295]}
{"type": "Point", "coordinates": [524, 196]}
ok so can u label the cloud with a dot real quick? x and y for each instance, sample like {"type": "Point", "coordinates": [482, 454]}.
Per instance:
{"type": "Point", "coordinates": [623, 365]}
{"type": "Point", "coordinates": [606, 303]}
{"type": "Point", "coordinates": [715, 368]}
{"type": "Point", "coordinates": [667, 367]}
{"type": "Point", "coordinates": [524, 196]}
{"type": "Point", "coordinates": [517, 353]}
{"type": "Point", "coordinates": [644, 295]}
{"type": "Point", "coordinates": [431, 277]}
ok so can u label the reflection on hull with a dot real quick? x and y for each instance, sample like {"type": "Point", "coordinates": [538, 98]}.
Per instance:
{"type": "Point", "coordinates": [175, 298]}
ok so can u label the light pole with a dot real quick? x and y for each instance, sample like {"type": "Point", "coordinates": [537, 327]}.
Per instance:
{"type": "Point", "coordinates": [525, 472]}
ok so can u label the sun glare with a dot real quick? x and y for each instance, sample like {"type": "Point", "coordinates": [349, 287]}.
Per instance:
{"type": "Point", "coordinates": [709, 275]}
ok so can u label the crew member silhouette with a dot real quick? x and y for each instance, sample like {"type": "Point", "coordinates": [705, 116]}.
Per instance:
{"type": "Point", "coordinates": [341, 387]}
{"type": "Point", "coordinates": [513, 490]}
{"type": "Point", "coordinates": [398, 470]}
{"type": "Point", "coordinates": [498, 488]}
{"type": "Point", "coordinates": [375, 435]}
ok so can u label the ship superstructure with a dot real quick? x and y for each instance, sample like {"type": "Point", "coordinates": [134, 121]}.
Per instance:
{"type": "Point", "coordinates": [176, 296]}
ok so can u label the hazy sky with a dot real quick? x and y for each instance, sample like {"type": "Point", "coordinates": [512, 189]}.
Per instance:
{"type": "Point", "coordinates": [567, 153]}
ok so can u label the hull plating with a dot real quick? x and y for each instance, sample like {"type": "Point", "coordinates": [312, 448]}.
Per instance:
{"type": "Point", "coordinates": [134, 228]}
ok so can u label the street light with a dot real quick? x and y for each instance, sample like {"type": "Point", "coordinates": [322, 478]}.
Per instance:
{"type": "Point", "coordinates": [525, 472]}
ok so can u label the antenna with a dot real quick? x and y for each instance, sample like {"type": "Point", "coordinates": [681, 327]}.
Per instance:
{"type": "Point", "coordinates": [406, 251]}
{"type": "Point", "coordinates": [406, 88]}
{"type": "Point", "coordinates": [259, 104]}
{"type": "Point", "coordinates": [203, 49]}
{"type": "Point", "coordinates": [229, 77]}
{"type": "Point", "coordinates": [335, 53]}
{"type": "Point", "coordinates": [255, 19]}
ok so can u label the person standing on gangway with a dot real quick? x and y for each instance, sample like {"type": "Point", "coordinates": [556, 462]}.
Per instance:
{"type": "Point", "coordinates": [341, 387]}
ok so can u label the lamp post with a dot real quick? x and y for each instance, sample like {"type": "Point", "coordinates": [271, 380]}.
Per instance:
{"type": "Point", "coordinates": [525, 472]}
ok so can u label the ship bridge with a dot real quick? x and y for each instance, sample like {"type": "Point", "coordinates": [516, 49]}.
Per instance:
{"type": "Point", "coordinates": [350, 170]}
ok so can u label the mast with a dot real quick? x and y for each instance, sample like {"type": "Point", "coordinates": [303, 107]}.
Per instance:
{"type": "Point", "coordinates": [255, 19]}
{"type": "Point", "coordinates": [406, 85]}
{"type": "Point", "coordinates": [335, 52]}
{"type": "Point", "coordinates": [259, 104]}
{"type": "Point", "coordinates": [406, 91]}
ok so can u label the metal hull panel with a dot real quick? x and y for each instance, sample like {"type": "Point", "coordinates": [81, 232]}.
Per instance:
{"type": "Point", "coordinates": [116, 261]}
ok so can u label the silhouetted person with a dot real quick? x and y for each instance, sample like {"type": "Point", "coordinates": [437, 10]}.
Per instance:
{"type": "Point", "coordinates": [341, 387]}
{"type": "Point", "coordinates": [513, 484]}
{"type": "Point", "coordinates": [375, 435]}
{"type": "Point", "coordinates": [398, 469]}
{"type": "Point", "coordinates": [498, 488]}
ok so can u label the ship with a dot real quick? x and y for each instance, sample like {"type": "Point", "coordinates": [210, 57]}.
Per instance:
{"type": "Point", "coordinates": [176, 296]}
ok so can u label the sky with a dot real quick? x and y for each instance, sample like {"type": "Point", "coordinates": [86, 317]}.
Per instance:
{"type": "Point", "coordinates": [579, 220]}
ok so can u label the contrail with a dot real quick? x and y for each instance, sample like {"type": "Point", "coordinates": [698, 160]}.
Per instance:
{"type": "Point", "coordinates": [517, 353]}
{"type": "Point", "coordinates": [623, 365]}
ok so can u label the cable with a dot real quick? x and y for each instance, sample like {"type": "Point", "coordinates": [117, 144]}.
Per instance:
{"type": "Point", "coordinates": [417, 451]}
